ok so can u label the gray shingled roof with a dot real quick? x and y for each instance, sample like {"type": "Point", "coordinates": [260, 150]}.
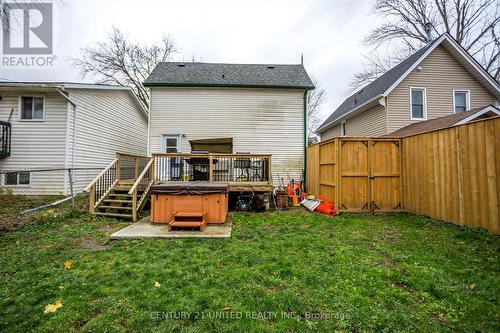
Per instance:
{"type": "Point", "coordinates": [377, 87]}
{"type": "Point", "coordinates": [197, 74]}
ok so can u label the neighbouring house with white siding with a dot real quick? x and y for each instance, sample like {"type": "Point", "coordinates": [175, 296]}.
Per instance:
{"type": "Point", "coordinates": [438, 80]}
{"type": "Point", "coordinates": [53, 126]}
{"type": "Point", "coordinates": [231, 108]}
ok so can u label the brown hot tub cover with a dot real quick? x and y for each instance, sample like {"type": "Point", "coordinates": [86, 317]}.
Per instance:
{"type": "Point", "coordinates": [190, 188]}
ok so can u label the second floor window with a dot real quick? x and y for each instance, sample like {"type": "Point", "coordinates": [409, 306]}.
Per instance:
{"type": "Point", "coordinates": [32, 108]}
{"type": "Point", "coordinates": [418, 103]}
{"type": "Point", "coordinates": [461, 100]}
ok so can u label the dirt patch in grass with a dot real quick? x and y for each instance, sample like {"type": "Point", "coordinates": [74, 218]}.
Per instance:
{"type": "Point", "coordinates": [89, 244]}
{"type": "Point", "coordinates": [10, 223]}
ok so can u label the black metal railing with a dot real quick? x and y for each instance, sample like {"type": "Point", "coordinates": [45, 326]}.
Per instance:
{"type": "Point", "coordinates": [5, 139]}
{"type": "Point", "coordinates": [212, 167]}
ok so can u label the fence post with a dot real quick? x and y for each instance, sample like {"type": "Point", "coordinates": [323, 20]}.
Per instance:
{"type": "Point", "coordinates": [92, 199]}
{"type": "Point", "coordinates": [211, 165]}
{"type": "Point", "coordinates": [70, 176]}
{"type": "Point", "coordinates": [270, 169]}
{"type": "Point", "coordinates": [134, 206]}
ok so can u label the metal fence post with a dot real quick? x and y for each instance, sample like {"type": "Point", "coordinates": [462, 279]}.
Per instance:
{"type": "Point", "coordinates": [70, 176]}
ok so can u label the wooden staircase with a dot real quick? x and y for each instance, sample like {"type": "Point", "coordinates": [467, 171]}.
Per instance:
{"type": "Point", "coordinates": [117, 203]}
{"type": "Point", "coordinates": [122, 189]}
{"type": "Point", "coordinates": [188, 220]}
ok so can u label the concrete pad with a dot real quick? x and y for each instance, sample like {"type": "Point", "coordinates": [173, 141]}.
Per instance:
{"type": "Point", "coordinates": [144, 229]}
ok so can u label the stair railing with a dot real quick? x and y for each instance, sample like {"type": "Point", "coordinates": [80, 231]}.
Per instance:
{"type": "Point", "coordinates": [102, 185]}
{"type": "Point", "coordinates": [143, 183]}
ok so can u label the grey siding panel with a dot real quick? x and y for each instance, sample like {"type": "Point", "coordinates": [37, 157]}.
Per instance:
{"type": "Point", "coordinates": [440, 74]}
{"type": "Point", "coordinates": [369, 123]}
{"type": "Point", "coordinates": [36, 144]}
{"type": "Point", "coordinates": [372, 122]}
{"type": "Point", "coordinates": [259, 121]}
{"type": "Point", "coordinates": [107, 122]}
{"type": "Point", "coordinates": [331, 133]}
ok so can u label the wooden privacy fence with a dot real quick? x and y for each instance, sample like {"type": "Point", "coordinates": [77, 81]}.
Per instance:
{"type": "Point", "coordinates": [451, 174]}
{"type": "Point", "coordinates": [357, 174]}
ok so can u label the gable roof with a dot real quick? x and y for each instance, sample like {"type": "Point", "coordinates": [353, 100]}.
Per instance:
{"type": "Point", "coordinates": [62, 86]}
{"type": "Point", "coordinates": [198, 74]}
{"type": "Point", "coordinates": [384, 84]}
{"type": "Point", "coordinates": [443, 122]}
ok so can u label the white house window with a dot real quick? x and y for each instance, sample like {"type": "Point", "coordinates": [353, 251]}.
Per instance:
{"type": "Point", "coordinates": [343, 128]}
{"type": "Point", "coordinates": [171, 144]}
{"type": "Point", "coordinates": [32, 108]}
{"type": "Point", "coordinates": [418, 104]}
{"type": "Point", "coordinates": [17, 178]}
{"type": "Point", "coordinates": [461, 100]}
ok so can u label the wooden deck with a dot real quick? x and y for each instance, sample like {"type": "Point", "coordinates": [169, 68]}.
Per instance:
{"type": "Point", "coordinates": [123, 187]}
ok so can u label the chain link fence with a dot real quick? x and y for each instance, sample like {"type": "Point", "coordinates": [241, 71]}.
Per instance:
{"type": "Point", "coordinates": [54, 183]}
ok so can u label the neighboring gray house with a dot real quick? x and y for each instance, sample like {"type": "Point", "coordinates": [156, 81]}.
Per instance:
{"type": "Point", "coordinates": [66, 125]}
{"type": "Point", "coordinates": [438, 80]}
{"type": "Point", "coordinates": [231, 108]}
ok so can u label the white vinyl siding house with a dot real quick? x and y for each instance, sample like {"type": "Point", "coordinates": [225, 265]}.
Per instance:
{"type": "Point", "coordinates": [259, 121]}
{"type": "Point", "coordinates": [242, 108]}
{"type": "Point", "coordinates": [83, 126]}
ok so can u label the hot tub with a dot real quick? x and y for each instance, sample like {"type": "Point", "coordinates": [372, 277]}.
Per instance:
{"type": "Point", "coordinates": [205, 198]}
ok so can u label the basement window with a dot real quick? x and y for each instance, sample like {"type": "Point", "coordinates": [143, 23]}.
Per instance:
{"type": "Point", "coordinates": [17, 178]}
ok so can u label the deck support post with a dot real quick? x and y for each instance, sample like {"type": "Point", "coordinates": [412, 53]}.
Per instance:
{"type": "Point", "coordinates": [211, 165]}
{"type": "Point", "coordinates": [136, 167]}
{"type": "Point", "coordinates": [92, 199]}
{"type": "Point", "coordinates": [134, 206]}
{"type": "Point", "coordinates": [118, 166]}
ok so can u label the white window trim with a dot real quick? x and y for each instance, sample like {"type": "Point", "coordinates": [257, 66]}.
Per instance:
{"type": "Point", "coordinates": [19, 110]}
{"type": "Point", "coordinates": [342, 130]}
{"type": "Point", "coordinates": [4, 180]}
{"type": "Point", "coordinates": [164, 137]}
{"type": "Point", "coordinates": [425, 103]}
{"type": "Point", "coordinates": [467, 100]}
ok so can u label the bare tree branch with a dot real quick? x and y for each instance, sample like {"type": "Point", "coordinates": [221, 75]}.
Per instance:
{"type": "Point", "coordinates": [474, 24]}
{"type": "Point", "coordinates": [316, 99]}
{"type": "Point", "coordinates": [121, 62]}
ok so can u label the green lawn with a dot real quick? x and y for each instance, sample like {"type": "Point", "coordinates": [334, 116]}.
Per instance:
{"type": "Point", "coordinates": [356, 272]}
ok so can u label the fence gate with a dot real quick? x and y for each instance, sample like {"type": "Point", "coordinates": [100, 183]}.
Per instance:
{"type": "Point", "coordinates": [369, 175]}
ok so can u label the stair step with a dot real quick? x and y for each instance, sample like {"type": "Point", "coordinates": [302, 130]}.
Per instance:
{"type": "Point", "coordinates": [115, 207]}
{"type": "Point", "coordinates": [117, 201]}
{"type": "Point", "coordinates": [120, 195]}
{"type": "Point", "coordinates": [188, 214]}
{"type": "Point", "coordinates": [128, 216]}
{"type": "Point", "coordinates": [186, 224]}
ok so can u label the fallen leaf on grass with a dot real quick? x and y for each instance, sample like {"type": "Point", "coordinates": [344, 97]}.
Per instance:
{"type": "Point", "coordinates": [472, 286]}
{"type": "Point", "coordinates": [157, 284]}
{"type": "Point", "coordinates": [68, 265]}
{"type": "Point", "coordinates": [52, 307]}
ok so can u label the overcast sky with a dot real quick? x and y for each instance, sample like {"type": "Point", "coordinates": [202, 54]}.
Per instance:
{"type": "Point", "coordinates": [328, 33]}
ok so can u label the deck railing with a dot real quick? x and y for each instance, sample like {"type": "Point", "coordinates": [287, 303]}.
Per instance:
{"type": "Point", "coordinates": [140, 188]}
{"type": "Point", "coordinates": [230, 168]}
{"type": "Point", "coordinates": [133, 170]}
{"type": "Point", "coordinates": [102, 184]}
{"type": "Point", "coordinates": [5, 139]}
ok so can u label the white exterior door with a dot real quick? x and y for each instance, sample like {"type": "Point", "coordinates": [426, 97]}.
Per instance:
{"type": "Point", "coordinates": [171, 168]}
